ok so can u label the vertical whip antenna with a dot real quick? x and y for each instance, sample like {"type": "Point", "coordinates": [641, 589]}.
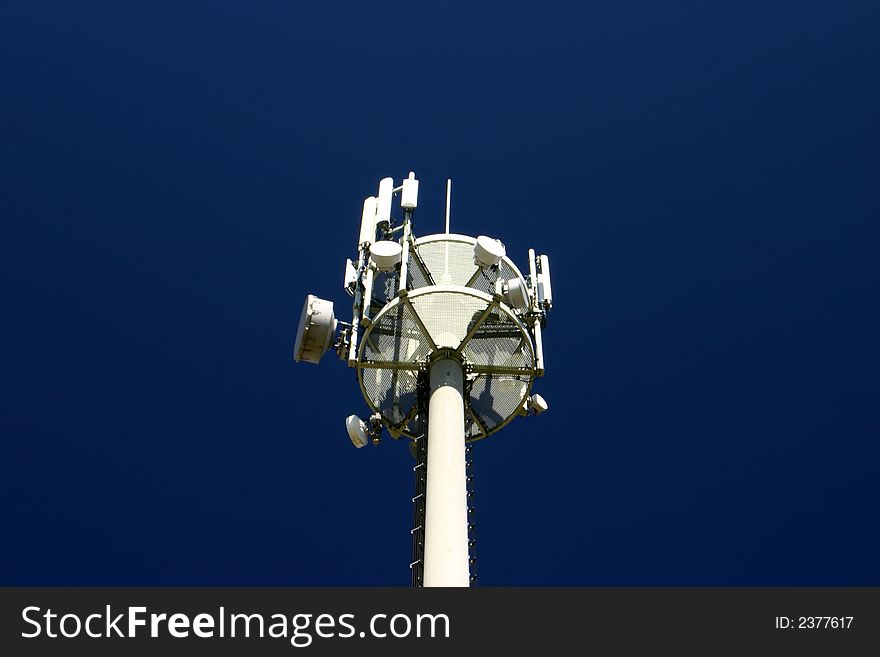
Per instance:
{"type": "Point", "coordinates": [448, 194]}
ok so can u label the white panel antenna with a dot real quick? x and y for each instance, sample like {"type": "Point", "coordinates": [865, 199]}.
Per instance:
{"type": "Point", "coordinates": [383, 204]}
{"type": "Point", "coordinates": [409, 196]}
{"type": "Point", "coordinates": [545, 291]}
{"type": "Point", "coordinates": [349, 282]}
{"type": "Point", "coordinates": [368, 221]}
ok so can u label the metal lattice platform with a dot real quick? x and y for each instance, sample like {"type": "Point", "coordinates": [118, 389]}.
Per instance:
{"type": "Point", "coordinates": [450, 309]}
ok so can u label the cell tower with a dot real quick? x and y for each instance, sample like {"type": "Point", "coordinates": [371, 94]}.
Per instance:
{"type": "Point", "coordinates": [446, 340]}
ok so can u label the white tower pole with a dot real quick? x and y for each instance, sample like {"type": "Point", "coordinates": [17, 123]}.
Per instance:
{"type": "Point", "coordinates": [446, 523]}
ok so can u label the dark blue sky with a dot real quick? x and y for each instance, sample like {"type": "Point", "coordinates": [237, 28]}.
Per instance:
{"type": "Point", "coordinates": [175, 177]}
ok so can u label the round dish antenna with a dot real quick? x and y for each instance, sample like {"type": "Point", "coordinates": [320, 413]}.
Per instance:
{"type": "Point", "coordinates": [357, 430]}
{"type": "Point", "coordinates": [538, 404]}
{"type": "Point", "coordinates": [516, 294]}
{"type": "Point", "coordinates": [488, 252]}
{"type": "Point", "coordinates": [385, 255]}
{"type": "Point", "coordinates": [317, 324]}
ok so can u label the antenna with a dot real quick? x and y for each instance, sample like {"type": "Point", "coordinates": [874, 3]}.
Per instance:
{"type": "Point", "coordinates": [448, 195]}
{"type": "Point", "coordinates": [446, 340]}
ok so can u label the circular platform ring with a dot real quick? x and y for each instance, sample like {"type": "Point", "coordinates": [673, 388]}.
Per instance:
{"type": "Point", "coordinates": [492, 341]}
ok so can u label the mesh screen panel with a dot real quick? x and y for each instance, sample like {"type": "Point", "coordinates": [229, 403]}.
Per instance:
{"type": "Point", "coordinates": [395, 336]}
{"type": "Point", "coordinates": [498, 341]}
{"type": "Point", "coordinates": [495, 397]}
{"type": "Point", "coordinates": [393, 392]}
{"type": "Point", "coordinates": [447, 315]}
{"type": "Point", "coordinates": [450, 263]}
{"type": "Point", "coordinates": [416, 276]}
